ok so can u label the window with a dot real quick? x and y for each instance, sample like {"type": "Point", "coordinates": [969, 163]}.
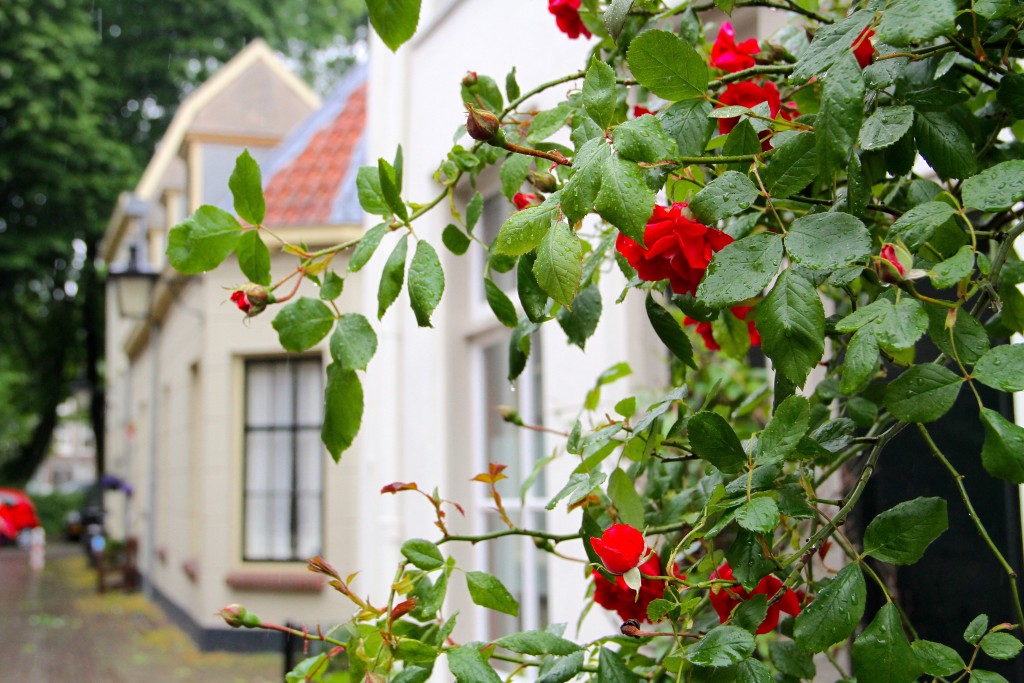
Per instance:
{"type": "Point", "coordinates": [283, 459]}
{"type": "Point", "coordinates": [516, 561]}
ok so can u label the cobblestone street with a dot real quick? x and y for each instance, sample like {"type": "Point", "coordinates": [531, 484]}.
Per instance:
{"type": "Point", "coordinates": [54, 627]}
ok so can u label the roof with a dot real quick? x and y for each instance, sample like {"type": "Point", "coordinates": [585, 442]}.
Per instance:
{"type": "Point", "coordinates": [257, 51]}
{"type": "Point", "coordinates": [311, 179]}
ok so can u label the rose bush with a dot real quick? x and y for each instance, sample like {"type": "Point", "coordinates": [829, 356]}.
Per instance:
{"type": "Point", "coordinates": [853, 231]}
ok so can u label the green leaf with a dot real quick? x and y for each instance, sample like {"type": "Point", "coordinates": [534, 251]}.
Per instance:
{"type": "Point", "coordinates": [759, 514]}
{"type": "Point", "coordinates": [332, 287]}
{"type": "Point", "coordinates": [792, 167]}
{"type": "Point", "coordinates": [456, 240]}
{"type": "Point", "coordinates": [371, 198]}
{"type": "Point", "coordinates": [1003, 451]}
{"type": "Point", "coordinates": [624, 199]}
{"type": "Point", "coordinates": [367, 246]}
{"type": "Point", "coordinates": [996, 188]}
{"type": "Point", "coordinates": [202, 241]}
{"type": "Point", "coordinates": [561, 669]}
{"type": "Point", "coordinates": [741, 270]}
{"type": "Point", "coordinates": [642, 139]}
{"type": "Point", "coordinates": [392, 277]}
{"type": "Point", "coordinates": [622, 491]}
{"type": "Point", "coordinates": [468, 664]}
{"type": "Point", "coordinates": [937, 659]}
{"type": "Point", "coordinates": [834, 613]}
{"type": "Point", "coordinates": [712, 439]}
{"type": "Point", "coordinates": [535, 302]}
{"type": "Point", "coordinates": [426, 282]}
{"type": "Point", "coordinates": [742, 140]}
{"type": "Point", "coordinates": [525, 229]}
{"type": "Point", "coordinates": [515, 168]}
{"type": "Point", "coordinates": [353, 343]}
{"type": "Point", "coordinates": [502, 307]}
{"type": "Point", "coordinates": [343, 410]}
{"type": "Point", "coordinates": [837, 124]}
{"type": "Point", "coordinates": [727, 195]}
{"type": "Point", "coordinates": [944, 144]}
{"type": "Point", "coordinates": [247, 189]}
{"type": "Point", "coordinates": [1000, 645]}
{"type": "Point", "coordinates": [753, 671]}
{"type": "Point", "coordinates": [792, 660]}
{"type": "Point", "coordinates": [901, 534]}
{"type": "Point", "coordinates": [915, 21]}
{"type": "Point", "coordinates": [669, 332]}
{"type": "Point", "coordinates": [474, 209]}
{"type": "Point", "coordinates": [302, 324]}
{"type": "Point", "coordinates": [667, 66]}
{"type": "Point", "coordinates": [615, 16]}
{"type": "Point", "coordinates": [747, 558]}
{"type": "Point", "coordinates": [487, 591]}
{"type": "Point", "coordinates": [1011, 86]}
{"type": "Point", "coordinates": [559, 264]}
{"type": "Point", "coordinates": [923, 393]}
{"type": "Point", "coordinates": [968, 334]}
{"type": "Point", "coordinates": [886, 126]}
{"type": "Point", "coordinates": [860, 362]}
{"type": "Point", "coordinates": [519, 348]}
{"type": "Point", "coordinates": [902, 325]}
{"type": "Point", "coordinates": [881, 653]}
{"type": "Point", "coordinates": [579, 487]}
{"type": "Point", "coordinates": [611, 668]}
{"type": "Point", "coordinates": [423, 554]}
{"type": "Point", "coordinates": [599, 92]}
{"type": "Point", "coordinates": [721, 646]}
{"type": "Point", "coordinates": [830, 41]}
{"type": "Point", "coordinates": [788, 425]}
{"type": "Point", "coordinates": [982, 676]}
{"type": "Point", "coordinates": [386, 174]}
{"type": "Point", "coordinates": [954, 269]}
{"type": "Point", "coordinates": [750, 613]}
{"type": "Point", "coordinates": [580, 191]}
{"type": "Point", "coordinates": [580, 322]}
{"type": "Point", "coordinates": [1002, 368]}
{"type": "Point", "coordinates": [537, 643]}
{"type": "Point", "coordinates": [394, 21]}
{"type": "Point", "coordinates": [512, 85]}
{"type": "Point", "coordinates": [917, 226]}
{"type": "Point", "coordinates": [254, 257]}
{"type": "Point", "coordinates": [688, 124]}
{"type": "Point", "coordinates": [415, 652]}
{"type": "Point", "coordinates": [791, 321]}
{"type": "Point", "coordinates": [976, 629]}
{"type": "Point", "coordinates": [827, 241]}
{"type": "Point", "coordinates": [731, 334]}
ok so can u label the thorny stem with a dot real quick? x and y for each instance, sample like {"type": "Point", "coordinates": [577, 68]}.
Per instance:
{"type": "Point", "coordinates": [305, 635]}
{"type": "Point", "coordinates": [824, 202]}
{"type": "Point", "coordinates": [788, 5]}
{"type": "Point", "coordinates": [958, 479]}
{"type": "Point", "coordinates": [556, 157]}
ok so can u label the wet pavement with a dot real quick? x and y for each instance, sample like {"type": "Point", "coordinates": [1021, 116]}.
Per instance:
{"type": "Point", "coordinates": [54, 627]}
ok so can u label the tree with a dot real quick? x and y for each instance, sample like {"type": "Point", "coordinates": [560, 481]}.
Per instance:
{"type": "Point", "coordinates": [87, 93]}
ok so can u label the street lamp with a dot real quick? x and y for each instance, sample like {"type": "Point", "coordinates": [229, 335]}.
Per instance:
{"type": "Point", "coordinates": [133, 286]}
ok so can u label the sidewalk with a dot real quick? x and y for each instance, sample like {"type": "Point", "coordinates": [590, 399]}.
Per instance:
{"type": "Point", "coordinates": [55, 628]}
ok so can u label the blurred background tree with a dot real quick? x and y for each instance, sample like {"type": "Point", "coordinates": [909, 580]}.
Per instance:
{"type": "Point", "coordinates": [86, 91]}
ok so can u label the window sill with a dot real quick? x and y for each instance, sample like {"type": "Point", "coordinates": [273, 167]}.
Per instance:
{"type": "Point", "coordinates": [275, 581]}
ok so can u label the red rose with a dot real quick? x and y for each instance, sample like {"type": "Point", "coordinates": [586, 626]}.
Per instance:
{"type": "Point", "coordinates": [629, 604]}
{"type": "Point", "coordinates": [863, 50]}
{"type": "Point", "coordinates": [728, 56]}
{"type": "Point", "coordinates": [619, 547]}
{"type": "Point", "coordinates": [241, 300]}
{"type": "Point", "coordinates": [893, 263]}
{"type": "Point", "coordinates": [678, 249]}
{"type": "Point", "coordinates": [523, 201]}
{"type": "Point", "coordinates": [725, 598]}
{"type": "Point", "coordinates": [749, 94]}
{"type": "Point", "coordinates": [639, 110]}
{"type": "Point", "coordinates": [567, 16]}
{"type": "Point", "coordinates": [704, 328]}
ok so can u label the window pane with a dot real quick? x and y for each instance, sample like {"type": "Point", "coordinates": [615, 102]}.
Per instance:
{"type": "Point", "coordinates": [502, 438]}
{"type": "Point", "coordinates": [283, 460]}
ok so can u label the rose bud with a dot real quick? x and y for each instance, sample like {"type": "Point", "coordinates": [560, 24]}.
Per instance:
{"type": "Point", "coordinates": [469, 79]}
{"type": "Point", "coordinates": [523, 201]}
{"type": "Point", "coordinates": [251, 299]}
{"type": "Point", "coordinates": [237, 616]}
{"type": "Point", "coordinates": [894, 262]}
{"type": "Point", "coordinates": [483, 125]}
{"type": "Point", "coordinates": [545, 182]}
{"type": "Point", "coordinates": [402, 608]}
{"type": "Point", "coordinates": [620, 548]}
